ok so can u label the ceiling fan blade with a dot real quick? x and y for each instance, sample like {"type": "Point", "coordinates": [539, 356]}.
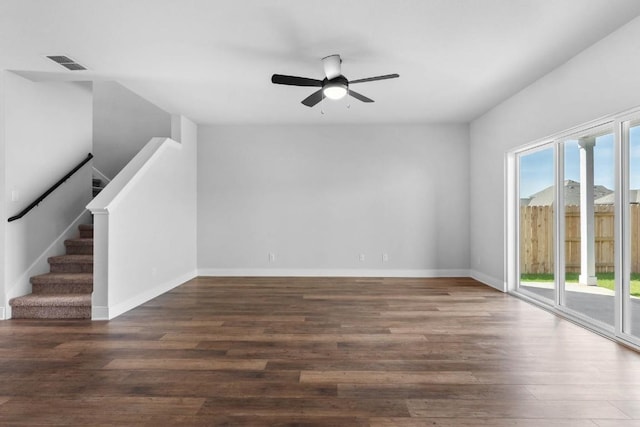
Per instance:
{"type": "Point", "coordinates": [373, 79]}
{"type": "Point", "coordinates": [362, 98]}
{"type": "Point", "coordinates": [295, 81]}
{"type": "Point", "coordinates": [332, 68]}
{"type": "Point", "coordinates": [313, 99]}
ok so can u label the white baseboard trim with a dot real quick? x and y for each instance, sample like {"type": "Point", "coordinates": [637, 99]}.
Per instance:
{"type": "Point", "coordinates": [294, 272]}
{"type": "Point", "coordinates": [141, 298]}
{"type": "Point", "coordinates": [488, 280]}
{"type": "Point", "coordinates": [2, 313]}
{"type": "Point", "coordinates": [99, 313]}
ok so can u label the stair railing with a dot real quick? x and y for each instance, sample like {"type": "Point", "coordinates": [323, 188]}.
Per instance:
{"type": "Point", "coordinates": [51, 189]}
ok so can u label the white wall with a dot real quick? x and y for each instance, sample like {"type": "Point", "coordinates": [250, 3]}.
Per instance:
{"type": "Point", "coordinates": [319, 196]}
{"type": "Point", "coordinates": [145, 225]}
{"type": "Point", "coordinates": [600, 81]}
{"type": "Point", "coordinates": [3, 201]}
{"type": "Point", "coordinates": [123, 123]}
{"type": "Point", "coordinates": [47, 131]}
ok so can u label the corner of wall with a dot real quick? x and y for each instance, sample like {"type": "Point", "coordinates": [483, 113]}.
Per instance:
{"type": "Point", "coordinates": [176, 127]}
{"type": "Point", "coordinates": [494, 282]}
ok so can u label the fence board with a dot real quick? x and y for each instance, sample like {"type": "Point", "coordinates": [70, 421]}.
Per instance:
{"type": "Point", "coordinates": [536, 238]}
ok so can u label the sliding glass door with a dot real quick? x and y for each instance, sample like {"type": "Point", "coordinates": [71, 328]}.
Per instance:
{"type": "Point", "coordinates": [588, 220]}
{"type": "Point", "coordinates": [574, 225]}
{"type": "Point", "coordinates": [536, 222]}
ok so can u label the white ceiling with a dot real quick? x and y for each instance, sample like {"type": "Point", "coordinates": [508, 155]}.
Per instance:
{"type": "Point", "coordinates": [212, 60]}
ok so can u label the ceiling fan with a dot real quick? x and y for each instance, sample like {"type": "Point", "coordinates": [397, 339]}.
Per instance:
{"type": "Point", "coordinates": [333, 86]}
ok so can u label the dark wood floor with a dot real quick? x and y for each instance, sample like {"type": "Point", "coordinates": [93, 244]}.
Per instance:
{"type": "Point", "coordinates": [330, 352]}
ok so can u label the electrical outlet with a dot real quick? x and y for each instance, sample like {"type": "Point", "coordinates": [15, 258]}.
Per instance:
{"type": "Point", "coordinates": [272, 257]}
{"type": "Point", "coordinates": [362, 257]}
{"type": "Point", "coordinates": [385, 257]}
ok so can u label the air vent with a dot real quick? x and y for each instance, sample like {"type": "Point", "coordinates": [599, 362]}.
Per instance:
{"type": "Point", "coordinates": [66, 62]}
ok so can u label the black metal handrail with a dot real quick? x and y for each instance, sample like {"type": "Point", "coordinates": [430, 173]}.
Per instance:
{"type": "Point", "coordinates": [51, 189]}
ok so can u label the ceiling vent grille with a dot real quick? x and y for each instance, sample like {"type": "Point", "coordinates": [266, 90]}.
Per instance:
{"type": "Point", "coordinates": [66, 62]}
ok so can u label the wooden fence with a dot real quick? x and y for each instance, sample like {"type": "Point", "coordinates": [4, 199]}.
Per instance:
{"type": "Point", "coordinates": [536, 238]}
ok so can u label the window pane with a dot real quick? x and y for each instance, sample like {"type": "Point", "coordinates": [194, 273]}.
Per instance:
{"type": "Point", "coordinates": [589, 226]}
{"type": "Point", "coordinates": [537, 194]}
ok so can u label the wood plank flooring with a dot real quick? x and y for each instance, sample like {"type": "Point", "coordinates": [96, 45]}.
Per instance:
{"type": "Point", "coordinates": [318, 352]}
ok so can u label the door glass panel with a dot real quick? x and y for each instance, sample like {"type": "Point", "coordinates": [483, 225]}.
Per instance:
{"type": "Point", "coordinates": [633, 282]}
{"type": "Point", "coordinates": [537, 193]}
{"type": "Point", "coordinates": [589, 225]}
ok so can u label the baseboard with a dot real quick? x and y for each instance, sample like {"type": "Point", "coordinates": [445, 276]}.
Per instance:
{"type": "Point", "coordinates": [123, 307]}
{"type": "Point", "coordinates": [99, 313]}
{"type": "Point", "coordinates": [488, 280]}
{"type": "Point", "coordinates": [293, 272]}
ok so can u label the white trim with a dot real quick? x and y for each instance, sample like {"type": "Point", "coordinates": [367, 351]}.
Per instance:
{"type": "Point", "coordinates": [495, 283]}
{"type": "Point", "coordinates": [2, 313]}
{"type": "Point", "coordinates": [102, 176]}
{"type": "Point", "coordinates": [99, 313]}
{"type": "Point", "coordinates": [122, 183]}
{"type": "Point", "coordinates": [559, 225]}
{"type": "Point", "coordinates": [133, 302]}
{"type": "Point", "coordinates": [511, 221]}
{"type": "Point", "coordinates": [571, 132]}
{"type": "Point", "coordinates": [294, 272]}
{"type": "Point", "coordinates": [622, 245]}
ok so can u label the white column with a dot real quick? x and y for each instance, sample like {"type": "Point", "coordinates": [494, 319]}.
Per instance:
{"type": "Point", "coordinates": [587, 231]}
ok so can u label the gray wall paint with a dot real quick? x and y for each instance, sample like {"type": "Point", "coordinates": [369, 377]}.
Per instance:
{"type": "Point", "coordinates": [318, 196]}
{"type": "Point", "coordinates": [123, 123]}
{"type": "Point", "coordinates": [3, 199]}
{"type": "Point", "coordinates": [47, 130]}
{"type": "Point", "coordinates": [602, 80]}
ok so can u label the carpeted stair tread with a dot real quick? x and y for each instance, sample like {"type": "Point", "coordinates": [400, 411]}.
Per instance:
{"type": "Point", "coordinates": [79, 246]}
{"type": "Point", "coordinates": [62, 283]}
{"type": "Point", "coordinates": [86, 230]}
{"type": "Point", "coordinates": [71, 264]}
{"type": "Point", "coordinates": [74, 278]}
{"type": "Point", "coordinates": [64, 292]}
{"type": "Point", "coordinates": [52, 300]}
{"type": "Point", "coordinates": [79, 241]}
{"type": "Point", "coordinates": [71, 259]}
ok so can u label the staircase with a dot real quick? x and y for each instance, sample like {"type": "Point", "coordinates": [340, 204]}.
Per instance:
{"type": "Point", "coordinates": [97, 186]}
{"type": "Point", "coordinates": [64, 292]}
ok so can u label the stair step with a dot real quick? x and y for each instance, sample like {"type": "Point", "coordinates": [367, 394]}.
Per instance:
{"type": "Point", "coordinates": [65, 292]}
{"type": "Point", "coordinates": [71, 264]}
{"type": "Point", "coordinates": [79, 246]}
{"type": "Point", "coordinates": [96, 182]}
{"type": "Point", "coordinates": [52, 306]}
{"type": "Point", "coordinates": [62, 283]}
{"type": "Point", "coordinates": [86, 230]}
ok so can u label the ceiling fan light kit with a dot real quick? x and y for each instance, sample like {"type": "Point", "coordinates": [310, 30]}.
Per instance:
{"type": "Point", "coordinates": [333, 86]}
{"type": "Point", "coordinates": [336, 88]}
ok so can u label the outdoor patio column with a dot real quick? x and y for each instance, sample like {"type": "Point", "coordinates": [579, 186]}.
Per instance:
{"type": "Point", "coordinates": [587, 231]}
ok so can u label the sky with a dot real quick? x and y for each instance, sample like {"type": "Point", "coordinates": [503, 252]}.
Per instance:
{"type": "Point", "coordinates": [536, 169]}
